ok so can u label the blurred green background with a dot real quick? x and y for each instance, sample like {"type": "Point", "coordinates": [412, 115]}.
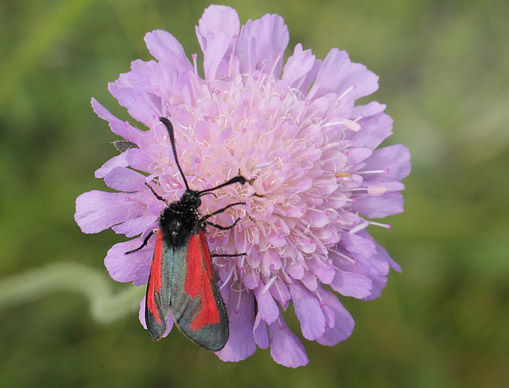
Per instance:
{"type": "Point", "coordinates": [444, 75]}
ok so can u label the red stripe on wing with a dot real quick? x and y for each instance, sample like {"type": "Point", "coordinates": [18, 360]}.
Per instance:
{"type": "Point", "coordinates": [194, 266]}
{"type": "Point", "coordinates": [155, 282]}
{"type": "Point", "coordinates": [198, 281]}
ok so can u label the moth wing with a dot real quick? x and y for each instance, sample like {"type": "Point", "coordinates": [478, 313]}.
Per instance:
{"type": "Point", "coordinates": [157, 306]}
{"type": "Point", "coordinates": [197, 305]}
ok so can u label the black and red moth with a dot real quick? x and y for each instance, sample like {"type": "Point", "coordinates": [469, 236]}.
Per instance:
{"type": "Point", "coordinates": [182, 279]}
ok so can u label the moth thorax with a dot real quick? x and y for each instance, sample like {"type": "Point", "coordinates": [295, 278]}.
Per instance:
{"type": "Point", "coordinates": [190, 199]}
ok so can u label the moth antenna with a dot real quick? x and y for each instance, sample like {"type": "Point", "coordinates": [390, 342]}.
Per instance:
{"type": "Point", "coordinates": [237, 179]}
{"type": "Point", "coordinates": [169, 127]}
{"type": "Point", "coordinates": [207, 194]}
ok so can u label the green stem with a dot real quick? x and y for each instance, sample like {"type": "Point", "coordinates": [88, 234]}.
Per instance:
{"type": "Point", "coordinates": [104, 305]}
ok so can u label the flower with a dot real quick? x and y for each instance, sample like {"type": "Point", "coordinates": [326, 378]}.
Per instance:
{"type": "Point", "coordinates": [315, 177]}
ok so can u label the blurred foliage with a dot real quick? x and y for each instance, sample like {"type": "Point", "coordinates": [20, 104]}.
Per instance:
{"type": "Point", "coordinates": [443, 69]}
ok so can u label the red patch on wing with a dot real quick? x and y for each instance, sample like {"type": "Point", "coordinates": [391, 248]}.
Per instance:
{"type": "Point", "coordinates": [155, 281]}
{"type": "Point", "coordinates": [198, 281]}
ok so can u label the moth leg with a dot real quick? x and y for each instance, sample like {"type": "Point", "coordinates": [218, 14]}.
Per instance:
{"type": "Point", "coordinates": [157, 195]}
{"type": "Point", "coordinates": [222, 227]}
{"type": "Point", "coordinates": [145, 242]}
{"type": "Point", "coordinates": [222, 210]}
{"type": "Point", "coordinates": [227, 255]}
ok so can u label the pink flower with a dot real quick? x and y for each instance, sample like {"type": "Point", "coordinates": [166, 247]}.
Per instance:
{"type": "Point", "coordinates": [316, 177]}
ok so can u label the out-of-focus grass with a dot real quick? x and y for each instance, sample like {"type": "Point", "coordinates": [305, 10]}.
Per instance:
{"type": "Point", "coordinates": [443, 75]}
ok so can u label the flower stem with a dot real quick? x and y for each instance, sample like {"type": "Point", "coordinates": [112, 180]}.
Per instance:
{"type": "Point", "coordinates": [105, 306]}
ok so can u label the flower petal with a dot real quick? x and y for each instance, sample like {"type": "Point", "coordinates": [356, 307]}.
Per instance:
{"type": "Point", "coordinates": [116, 161]}
{"type": "Point", "coordinates": [118, 127]}
{"type": "Point", "coordinates": [261, 45]}
{"type": "Point", "coordinates": [308, 311]}
{"type": "Point", "coordinates": [343, 323]}
{"type": "Point", "coordinates": [394, 159]}
{"type": "Point", "coordinates": [298, 66]}
{"type": "Point", "coordinates": [216, 31]}
{"type": "Point", "coordinates": [136, 226]}
{"type": "Point", "coordinates": [241, 343]}
{"type": "Point", "coordinates": [141, 317]}
{"type": "Point", "coordinates": [125, 179]}
{"type": "Point", "coordinates": [260, 332]}
{"type": "Point", "coordinates": [164, 47]}
{"type": "Point", "coordinates": [133, 267]}
{"type": "Point", "coordinates": [351, 284]}
{"type": "Point", "coordinates": [338, 75]}
{"type": "Point", "coordinates": [100, 210]}
{"type": "Point", "coordinates": [285, 347]}
{"type": "Point", "coordinates": [267, 308]}
{"type": "Point", "coordinates": [379, 206]}
{"type": "Point", "coordinates": [375, 129]}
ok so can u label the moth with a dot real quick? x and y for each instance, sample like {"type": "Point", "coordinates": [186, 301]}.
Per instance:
{"type": "Point", "coordinates": [182, 278]}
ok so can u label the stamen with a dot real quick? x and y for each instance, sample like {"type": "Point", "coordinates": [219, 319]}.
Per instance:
{"type": "Point", "coordinates": [352, 125]}
{"type": "Point", "coordinates": [348, 258]}
{"type": "Point", "coordinates": [359, 227]}
{"type": "Point", "coordinates": [195, 56]}
{"type": "Point", "coordinates": [237, 307]}
{"type": "Point", "coordinates": [377, 190]}
{"type": "Point", "coordinates": [385, 171]}
{"type": "Point", "coordinates": [386, 226]}
{"type": "Point", "coordinates": [344, 94]}
{"type": "Point", "coordinates": [227, 278]}
{"type": "Point", "coordinates": [268, 284]}
{"type": "Point", "coordinates": [279, 57]}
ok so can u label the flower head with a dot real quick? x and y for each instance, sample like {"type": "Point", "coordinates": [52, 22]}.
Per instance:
{"type": "Point", "coordinates": [315, 176]}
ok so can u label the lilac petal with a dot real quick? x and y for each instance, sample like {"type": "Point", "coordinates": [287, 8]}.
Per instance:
{"type": "Point", "coordinates": [241, 343]}
{"type": "Point", "coordinates": [141, 317]}
{"type": "Point", "coordinates": [382, 253]}
{"type": "Point", "coordinates": [285, 347]}
{"type": "Point", "coordinates": [260, 333]}
{"type": "Point", "coordinates": [308, 311]}
{"type": "Point", "coordinates": [250, 278]}
{"type": "Point", "coordinates": [280, 292]}
{"type": "Point", "coordinates": [100, 210]}
{"type": "Point", "coordinates": [371, 109]}
{"type": "Point", "coordinates": [216, 31]}
{"type": "Point", "coordinates": [261, 45]}
{"type": "Point", "coordinates": [360, 246]}
{"type": "Point", "coordinates": [116, 161]}
{"type": "Point", "coordinates": [343, 323]}
{"type": "Point", "coordinates": [164, 47]}
{"type": "Point", "coordinates": [379, 268]}
{"type": "Point", "coordinates": [298, 65]}
{"type": "Point", "coordinates": [133, 267]}
{"type": "Point", "coordinates": [141, 313]}
{"type": "Point", "coordinates": [324, 271]}
{"type": "Point", "coordinates": [372, 264]}
{"type": "Point", "coordinates": [309, 280]}
{"type": "Point", "coordinates": [351, 284]}
{"type": "Point", "coordinates": [395, 159]}
{"type": "Point", "coordinates": [154, 82]}
{"type": "Point", "coordinates": [379, 206]}
{"type": "Point", "coordinates": [375, 129]}
{"type": "Point", "coordinates": [118, 127]}
{"type": "Point", "coordinates": [338, 75]}
{"type": "Point", "coordinates": [136, 226]}
{"type": "Point", "coordinates": [378, 185]}
{"type": "Point", "coordinates": [267, 307]}
{"type": "Point", "coordinates": [140, 105]}
{"type": "Point", "coordinates": [140, 160]}
{"type": "Point", "coordinates": [125, 179]}
{"type": "Point", "coordinates": [358, 155]}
